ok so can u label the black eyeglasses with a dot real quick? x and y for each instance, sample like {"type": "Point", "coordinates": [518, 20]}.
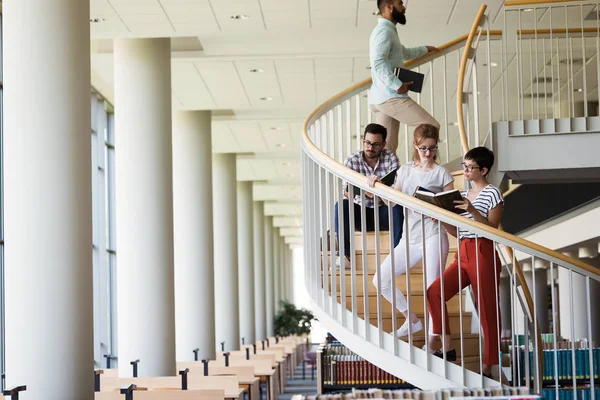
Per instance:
{"type": "Point", "coordinates": [468, 168]}
{"type": "Point", "coordinates": [424, 149]}
{"type": "Point", "coordinates": [375, 145]}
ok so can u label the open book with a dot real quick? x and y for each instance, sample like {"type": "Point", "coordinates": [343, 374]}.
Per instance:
{"type": "Point", "coordinates": [444, 200]}
{"type": "Point", "coordinates": [387, 180]}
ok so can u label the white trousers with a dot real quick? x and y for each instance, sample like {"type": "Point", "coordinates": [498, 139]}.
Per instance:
{"type": "Point", "coordinates": [415, 253]}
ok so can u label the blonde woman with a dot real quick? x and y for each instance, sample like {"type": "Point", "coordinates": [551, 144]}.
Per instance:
{"type": "Point", "coordinates": [422, 171]}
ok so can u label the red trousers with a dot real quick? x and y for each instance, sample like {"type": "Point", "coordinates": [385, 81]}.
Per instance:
{"type": "Point", "coordinates": [486, 299]}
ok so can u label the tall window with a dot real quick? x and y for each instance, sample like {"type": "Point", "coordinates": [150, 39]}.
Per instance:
{"type": "Point", "coordinates": [103, 237]}
{"type": "Point", "coordinates": [2, 336]}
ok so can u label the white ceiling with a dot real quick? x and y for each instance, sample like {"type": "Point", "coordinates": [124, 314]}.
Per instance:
{"type": "Point", "coordinates": [307, 50]}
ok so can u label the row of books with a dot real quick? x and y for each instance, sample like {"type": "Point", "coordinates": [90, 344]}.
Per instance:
{"type": "Point", "coordinates": [567, 394]}
{"type": "Point", "coordinates": [353, 370]}
{"type": "Point", "coordinates": [503, 393]}
{"type": "Point", "coordinates": [563, 367]}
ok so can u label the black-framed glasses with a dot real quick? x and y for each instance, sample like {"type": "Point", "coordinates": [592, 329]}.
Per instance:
{"type": "Point", "coordinates": [424, 149]}
{"type": "Point", "coordinates": [375, 145]}
{"type": "Point", "coordinates": [468, 168]}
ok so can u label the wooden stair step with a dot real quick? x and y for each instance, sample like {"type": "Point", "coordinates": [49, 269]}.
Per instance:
{"type": "Point", "coordinates": [417, 304]}
{"type": "Point", "coordinates": [470, 343]}
{"type": "Point", "coordinates": [372, 264]}
{"type": "Point", "coordinates": [384, 241]}
{"type": "Point", "coordinates": [453, 317]}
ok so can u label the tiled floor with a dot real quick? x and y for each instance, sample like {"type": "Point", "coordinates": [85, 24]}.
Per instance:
{"type": "Point", "coordinates": [299, 385]}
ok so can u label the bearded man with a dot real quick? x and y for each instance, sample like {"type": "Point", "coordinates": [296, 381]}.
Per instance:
{"type": "Point", "coordinates": [388, 96]}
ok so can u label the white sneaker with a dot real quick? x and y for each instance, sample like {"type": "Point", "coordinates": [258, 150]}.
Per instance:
{"type": "Point", "coordinates": [338, 263]}
{"type": "Point", "coordinates": [403, 330]}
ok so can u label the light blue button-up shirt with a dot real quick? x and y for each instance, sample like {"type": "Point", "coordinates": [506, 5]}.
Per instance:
{"type": "Point", "coordinates": [386, 53]}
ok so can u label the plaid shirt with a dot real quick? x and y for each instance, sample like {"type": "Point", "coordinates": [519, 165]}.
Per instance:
{"type": "Point", "coordinates": [387, 162]}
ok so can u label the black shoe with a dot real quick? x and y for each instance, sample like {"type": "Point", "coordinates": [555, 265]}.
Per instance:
{"type": "Point", "coordinates": [450, 355]}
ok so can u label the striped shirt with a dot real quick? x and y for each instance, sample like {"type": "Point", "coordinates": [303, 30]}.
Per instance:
{"type": "Point", "coordinates": [388, 161]}
{"type": "Point", "coordinates": [486, 200]}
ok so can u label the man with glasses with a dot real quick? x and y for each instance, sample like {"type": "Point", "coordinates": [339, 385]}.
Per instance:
{"type": "Point", "coordinates": [388, 97]}
{"type": "Point", "coordinates": [373, 161]}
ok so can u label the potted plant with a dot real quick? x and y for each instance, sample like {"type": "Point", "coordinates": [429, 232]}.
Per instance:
{"type": "Point", "coordinates": [292, 320]}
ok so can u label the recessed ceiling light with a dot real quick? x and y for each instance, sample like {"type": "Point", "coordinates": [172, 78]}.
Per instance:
{"type": "Point", "coordinates": [579, 90]}
{"type": "Point", "coordinates": [266, 98]}
{"type": "Point", "coordinates": [97, 20]}
{"type": "Point", "coordinates": [275, 128]}
{"type": "Point", "coordinates": [528, 9]}
{"type": "Point", "coordinates": [492, 64]}
{"type": "Point", "coordinates": [377, 13]}
{"type": "Point", "coordinates": [280, 145]}
{"type": "Point", "coordinates": [453, 124]}
{"type": "Point", "coordinates": [369, 67]}
{"type": "Point", "coordinates": [290, 175]}
{"type": "Point", "coordinates": [257, 70]}
{"type": "Point", "coordinates": [240, 16]}
{"type": "Point", "coordinates": [285, 164]}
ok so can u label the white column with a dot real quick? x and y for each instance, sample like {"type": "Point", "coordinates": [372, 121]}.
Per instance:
{"type": "Point", "coordinates": [284, 251]}
{"type": "Point", "coordinates": [291, 275]}
{"type": "Point", "coordinates": [260, 305]}
{"type": "Point", "coordinates": [576, 316]}
{"type": "Point", "coordinates": [284, 271]}
{"type": "Point", "coordinates": [226, 253]}
{"type": "Point", "coordinates": [269, 275]}
{"type": "Point", "coordinates": [193, 235]}
{"type": "Point", "coordinates": [245, 213]}
{"type": "Point", "coordinates": [48, 199]}
{"type": "Point", "coordinates": [276, 270]}
{"type": "Point", "coordinates": [541, 295]}
{"type": "Point", "coordinates": [144, 191]}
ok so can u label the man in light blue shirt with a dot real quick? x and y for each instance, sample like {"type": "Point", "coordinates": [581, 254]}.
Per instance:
{"type": "Point", "coordinates": [388, 96]}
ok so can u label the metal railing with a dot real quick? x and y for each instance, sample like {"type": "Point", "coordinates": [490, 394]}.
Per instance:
{"type": "Point", "coordinates": [550, 60]}
{"type": "Point", "coordinates": [341, 297]}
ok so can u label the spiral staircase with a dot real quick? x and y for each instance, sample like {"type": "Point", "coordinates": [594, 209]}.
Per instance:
{"type": "Point", "coordinates": [476, 104]}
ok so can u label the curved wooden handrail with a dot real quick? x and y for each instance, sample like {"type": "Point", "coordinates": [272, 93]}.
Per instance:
{"type": "Point", "coordinates": [465, 145]}
{"type": "Point", "coordinates": [441, 50]}
{"type": "Point", "coordinates": [446, 216]}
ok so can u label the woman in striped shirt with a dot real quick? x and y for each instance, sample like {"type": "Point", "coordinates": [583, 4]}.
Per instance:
{"type": "Point", "coordinates": [478, 265]}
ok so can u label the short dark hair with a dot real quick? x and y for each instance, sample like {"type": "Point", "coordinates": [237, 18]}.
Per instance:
{"type": "Point", "coordinates": [381, 3]}
{"type": "Point", "coordinates": [482, 156]}
{"type": "Point", "coordinates": [376, 129]}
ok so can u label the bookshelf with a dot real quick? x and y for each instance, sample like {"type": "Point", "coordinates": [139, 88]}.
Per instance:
{"type": "Point", "coordinates": [341, 370]}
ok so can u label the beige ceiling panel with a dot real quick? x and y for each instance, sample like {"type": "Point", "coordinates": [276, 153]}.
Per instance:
{"type": "Point", "coordinates": [248, 136]}
{"type": "Point", "coordinates": [103, 66]}
{"type": "Point", "coordinates": [283, 209]}
{"type": "Point", "coordinates": [135, 8]}
{"type": "Point", "coordinates": [297, 80]}
{"type": "Point", "coordinates": [263, 169]}
{"type": "Point", "coordinates": [264, 191]}
{"type": "Point", "coordinates": [361, 69]}
{"type": "Point", "coordinates": [224, 10]}
{"type": "Point", "coordinates": [290, 231]}
{"type": "Point", "coordinates": [284, 5]}
{"type": "Point", "coordinates": [296, 132]}
{"type": "Point", "coordinates": [244, 169]}
{"type": "Point", "coordinates": [297, 240]}
{"type": "Point", "coordinates": [224, 84]}
{"type": "Point", "coordinates": [259, 84]}
{"type": "Point", "coordinates": [190, 88]}
{"type": "Point", "coordinates": [277, 136]}
{"type": "Point", "coordinates": [139, 3]}
{"type": "Point", "coordinates": [199, 12]}
{"type": "Point", "coordinates": [287, 222]}
{"type": "Point", "coordinates": [223, 140]}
